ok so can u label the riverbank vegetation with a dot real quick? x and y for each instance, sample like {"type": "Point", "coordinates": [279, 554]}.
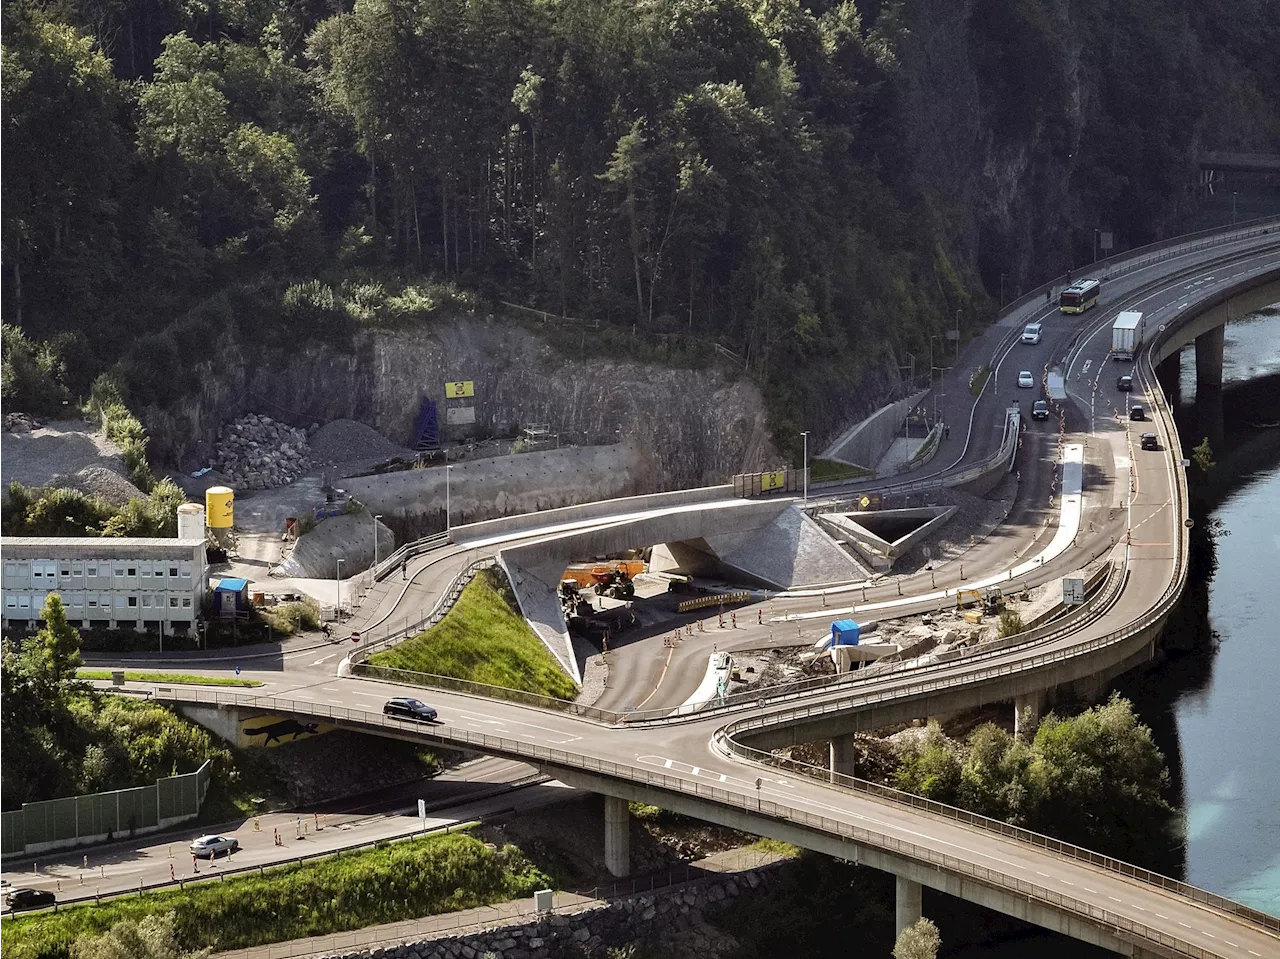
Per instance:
{"type": "Point", "coordinates": [484, 639]}
{"type": "Point", "coordinates": [405, 880]}
{"type": "Point", "coordinates": [1095, 779]}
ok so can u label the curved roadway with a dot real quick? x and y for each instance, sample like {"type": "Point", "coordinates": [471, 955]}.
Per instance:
{"type": "Point", "coordinates": [698, 757]}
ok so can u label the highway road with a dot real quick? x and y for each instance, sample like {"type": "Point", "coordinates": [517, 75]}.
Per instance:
{"type": "Point", "coordinates": [472, 790]}
{"type": "Point", "coordinates": [698, 757]}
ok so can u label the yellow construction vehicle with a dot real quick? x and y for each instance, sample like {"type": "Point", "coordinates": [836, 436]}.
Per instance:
{"type": "Point", "coordinates": [611, 578]}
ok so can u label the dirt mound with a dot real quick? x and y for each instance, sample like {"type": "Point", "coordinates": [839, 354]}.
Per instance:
{"type": "Point", "coordinates": [60, 449]}
{"type": "Point", "coordinates": [100, 483]}
{"type": "Point", "coordinates": [346, 441]}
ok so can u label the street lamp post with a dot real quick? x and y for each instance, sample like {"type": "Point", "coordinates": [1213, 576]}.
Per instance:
{"type": "Point", "coordinates": [1002, 276]}
{"type": "Point", "coordinates": [1233, 207]}
{"type": "Point", "coordinates": [338, 608]}
{"type": "Point", "coordinates": [957, 334]}
{"type": "Point", "coordinates": [375, 541]}
{"type": "Point", "coordinates": [805, 474]}
{"type": "Point", "coordinates": [448, 523]}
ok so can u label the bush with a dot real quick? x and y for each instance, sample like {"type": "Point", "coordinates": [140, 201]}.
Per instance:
{"type": "Point", "coordinates": [31, 377]}
{"type": "Point", "coordinates": [1010, 623]}
{"type": "Point", "coordinates": [290, 618]}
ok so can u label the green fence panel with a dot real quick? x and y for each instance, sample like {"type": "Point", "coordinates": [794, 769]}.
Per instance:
{"type": "Point", "coordinates": [167, 797]}
{"type": "Point", "coordinates": [13, 837]}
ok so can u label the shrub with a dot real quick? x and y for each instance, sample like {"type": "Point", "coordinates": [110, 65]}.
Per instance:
{"type": "Point", "coordinates": [290, 618]}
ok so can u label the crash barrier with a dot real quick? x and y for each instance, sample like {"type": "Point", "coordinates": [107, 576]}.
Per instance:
{"type": "Point", "coordinates": [716, 599]}
{"type": "Point", "coordinates": [747, 485]}
{"type": "Point", "coordinates": [408, 552]}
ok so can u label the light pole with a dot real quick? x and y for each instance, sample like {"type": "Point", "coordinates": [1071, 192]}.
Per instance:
{"type": "Point", "coordinates": [448, 523]}
{"type": "Point", "coordinates": [338, 608]}
{"type": "Point", "coordinates": [1095, 244]}
{"type": "Point", "coordinates": [805, 475]}
{"type": "Point", "coordinates": [1002, 276]}
{"type": "Point", "coordinates": [957, 334]}
{"type": "Point", "coordinates": [1233, 207]}
{"type": "Point", "coordinates": [375, 541]}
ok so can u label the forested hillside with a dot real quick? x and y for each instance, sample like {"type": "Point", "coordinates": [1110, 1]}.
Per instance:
{"type": "Point", "coordinates": [817, 186]}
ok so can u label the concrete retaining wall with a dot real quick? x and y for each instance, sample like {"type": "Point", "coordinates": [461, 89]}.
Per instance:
{"type": "Point", "coordinates": [866, 443]}
{"type": "Point", "coordinates": [523, 522]}
{"type": "Point", "coordinates": [502, 485]}
{"type": "Point", "coordinates": [670, 920]}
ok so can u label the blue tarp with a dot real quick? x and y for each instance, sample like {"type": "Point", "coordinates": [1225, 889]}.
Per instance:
{"type": "Point", "coordinates": [231, 585]}
{"type": "Point", "coordinates": [845, 632]}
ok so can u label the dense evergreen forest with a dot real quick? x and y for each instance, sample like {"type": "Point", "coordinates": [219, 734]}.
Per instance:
{"type": "Point", "coordinates": [818, 185]}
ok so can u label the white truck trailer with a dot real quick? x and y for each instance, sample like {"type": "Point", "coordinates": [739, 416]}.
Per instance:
{"type": "Point", "coordinates": [1126, 335]}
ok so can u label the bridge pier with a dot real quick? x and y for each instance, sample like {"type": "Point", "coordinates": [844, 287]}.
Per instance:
{"type": "Point", "coordinates": [617, 836]}
{"type": "Point", "coordinates": [843, 757]}
{"type": "Point", "coordinates": [1026, 712]}
{"type": "Point", "coordinates": [907, 909]}
{"type": "Point", "coordinates": [1209, 350]}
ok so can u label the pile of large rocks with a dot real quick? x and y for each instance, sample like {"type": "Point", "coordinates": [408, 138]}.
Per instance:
{"type": "Point", "coordinates": [256, 452]}
{"type": "Point", "coordinates": [19, 423]}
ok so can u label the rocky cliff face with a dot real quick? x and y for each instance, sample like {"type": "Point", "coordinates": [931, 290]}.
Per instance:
{"type": "Point", "coordinates": [697, 426]}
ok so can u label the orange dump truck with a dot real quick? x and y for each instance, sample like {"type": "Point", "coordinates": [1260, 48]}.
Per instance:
{"type": "Point", "coordinates": [611, 578]}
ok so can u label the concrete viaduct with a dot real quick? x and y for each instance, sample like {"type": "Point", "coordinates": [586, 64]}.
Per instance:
{"type": "Point", "coordinates": [717, 764]}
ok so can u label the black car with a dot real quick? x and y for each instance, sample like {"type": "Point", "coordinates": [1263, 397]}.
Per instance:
{"type": "Point", "coordinates": [407, 708]}
{"type": "Point", "coordinates": [1136, 412]}
{"type": "Point", "coordinates": [1150, 441]}
{"type": "Point", "coordinates": [29, 899]}
{"type": "Point", "coordinates": [1125, 384]}
{"type": "Point", "coordinates": [1040, 410]}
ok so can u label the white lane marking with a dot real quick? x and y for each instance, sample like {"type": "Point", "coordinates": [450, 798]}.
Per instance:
{"type": "Point", "coordinates": [1231, 944]}
{"type": "Point", "coordinates": [324, 660]}
{"type": "Point", "coordinates": [1136, 906]}
{"type": "Point", "coordinates": [1066, 882]}
{"type": "Point", "coordinates": [1039, 873]}
{"type": "Point", "coordinates": [1252, 953]}
{"type": "Point", "coordinates": [1087, 889]}
{"type": "Point", "coordinates": [1161, 917]}
{"type": "Point", "coordinates": [1113, 899]}
{"type": "Point", "coordinates": [1209, 934]}
{"type": "Point", "coordinates": [1183, 924]}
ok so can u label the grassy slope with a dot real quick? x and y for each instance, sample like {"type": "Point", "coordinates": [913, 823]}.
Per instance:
{"type": "Point", "coordinates": [428, 876]}
{"type": "Point", "coordinates": [485, 640]}
{"type": "Point", "coordinates": [185, 679]}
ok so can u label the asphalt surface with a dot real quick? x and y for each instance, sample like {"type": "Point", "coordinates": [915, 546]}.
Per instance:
{"type": "Point", "coordinates": [679, 756]}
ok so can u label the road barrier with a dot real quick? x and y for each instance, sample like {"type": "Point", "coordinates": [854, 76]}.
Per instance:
{"type": "Point", "coordinates": [716, 599]}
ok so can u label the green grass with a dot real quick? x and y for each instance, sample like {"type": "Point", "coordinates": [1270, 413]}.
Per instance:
{"type": "Point", "coordinates": [979, 380]}
{"type": "Point", "coordinates": [777, 847]}
{"type": "Point", "coordinates": [421, 877]}
{"type": "Point", "coordinates": [821, 471]}
{"type": "Point", "coordinates": [485, 640]}
{"type": "Point", "coordinates": [184, 679]}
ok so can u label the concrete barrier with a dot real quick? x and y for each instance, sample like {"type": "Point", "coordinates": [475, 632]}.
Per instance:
{"type": "Point", "coordinates": [602, 509]}
{"type": "Point", "coordinates": [864, 444]}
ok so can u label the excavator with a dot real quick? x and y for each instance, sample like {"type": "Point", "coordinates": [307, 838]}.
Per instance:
{"type": "Point", "coordinates": [991, 600]}
{"type": "Point", "coordinates": [610, 578]}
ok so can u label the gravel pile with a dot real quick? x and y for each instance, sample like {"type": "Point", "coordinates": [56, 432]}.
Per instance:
{"type": "Point", "coordinates": [346, 441]}
{"type": "Point", "coordinates": [257, 452]}
{"type": "Point", "coordinates": [58, 449]}
{"type": "Point", "coordinates": [100, 483]}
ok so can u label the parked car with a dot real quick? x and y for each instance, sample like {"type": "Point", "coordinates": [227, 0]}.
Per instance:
{"type": "Point", "coordinates": [1136, 412]}
{"type": "Point", "coordinates": [26, 898]}
{"type": "Point", "coordinates": [407, 708]}
{"type": "Point", "coordinates": [211, 847]}
{"type": "Point", "coordinates": [1031, 333]}
{"type": "Point", "coordinates": [1040, 410]}
{"type": "Point", "coordinates": [1026, 381]}
{"type": "Point", "coordinates": [1150, 441]}
{"type": "Point", "coordinates": [1125, 384]}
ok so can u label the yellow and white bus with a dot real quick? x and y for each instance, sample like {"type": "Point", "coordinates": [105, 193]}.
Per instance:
{"type": "Point", "coordinates": [1079, 296]}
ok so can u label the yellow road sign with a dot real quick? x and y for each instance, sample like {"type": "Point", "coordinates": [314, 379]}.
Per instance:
{"type": "Point", "coordinates": [774, 480]}
{"type": "Point", "coordinates": [459, 388]}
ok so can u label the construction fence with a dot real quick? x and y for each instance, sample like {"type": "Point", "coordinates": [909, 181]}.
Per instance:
{"type": "Point", "coordinates": [72, 820]}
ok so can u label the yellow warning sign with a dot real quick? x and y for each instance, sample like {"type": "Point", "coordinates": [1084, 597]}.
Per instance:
{"type": "Point", "coordinates": [459, 388]}
{"type": "Point", "coordinates": [774, 480]}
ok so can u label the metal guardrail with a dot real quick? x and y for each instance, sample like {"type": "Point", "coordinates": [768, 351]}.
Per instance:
{"type": "Point", "coordinates": [365, 721]}
{"type": "Point", "coordinates": [444, 603]}
{"type": "Point", "coordinates": [407, 552]}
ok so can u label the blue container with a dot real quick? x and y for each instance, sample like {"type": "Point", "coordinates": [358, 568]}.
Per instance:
{"type": "Point", "coordinates": [845, 632]}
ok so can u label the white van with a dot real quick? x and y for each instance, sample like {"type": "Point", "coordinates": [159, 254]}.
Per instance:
{"type": "Point", "coordinates": [1031, 333]}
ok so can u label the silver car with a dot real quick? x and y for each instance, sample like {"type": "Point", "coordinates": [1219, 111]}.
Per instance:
{"type": "Point", "coordinates": [210, 847]}
{"type": "Point", "coordinates": [1025, 380]}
